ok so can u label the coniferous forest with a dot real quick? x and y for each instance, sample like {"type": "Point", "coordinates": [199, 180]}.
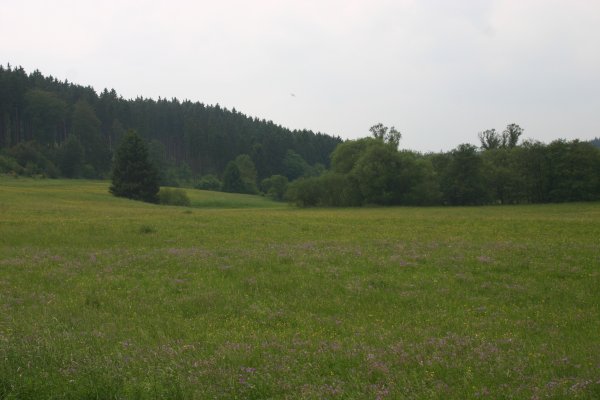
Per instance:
{"type": "Point", "coordinates": [60, 129]}
{"type": "Point", "coordinates": [55, 128]}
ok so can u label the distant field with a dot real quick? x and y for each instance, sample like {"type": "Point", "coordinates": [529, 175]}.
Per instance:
{"type": "Point", "coordinates": [241, 297]}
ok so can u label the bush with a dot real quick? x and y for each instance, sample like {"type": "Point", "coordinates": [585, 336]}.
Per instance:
{"type": "Point", "coordinates": [305, 192]}
{"type": "Point", "coordinates": [173, 197]}
{"type": "Point", "coordinates": [34, 162]}
{"type": "Point", "coordinates": [339, 190]}
{"type": "Point", "coordinates": [329, 190]}
{"type": "Point", "coordinates": [10, 165]}
{"type": "Point", "coordinates": [209, 182]}
{"type": "Point", "coordinates": [275, 186]}
{"type": "Point", "coordinates": [232, 179]}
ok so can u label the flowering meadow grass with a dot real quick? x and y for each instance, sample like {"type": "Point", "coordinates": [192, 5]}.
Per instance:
{"type": "Point", "coordinates": [240, 297]}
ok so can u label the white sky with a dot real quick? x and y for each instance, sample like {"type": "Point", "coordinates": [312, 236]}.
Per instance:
{"type": "Point", "coordinates": [440, 71]}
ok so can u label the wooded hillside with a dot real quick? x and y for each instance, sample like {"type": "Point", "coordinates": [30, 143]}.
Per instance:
{"type": "Point", "coordinates": [66, 123]}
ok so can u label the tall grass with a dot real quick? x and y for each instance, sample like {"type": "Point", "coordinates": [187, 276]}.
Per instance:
{"type": "Point", "coordinates": [102, 297]}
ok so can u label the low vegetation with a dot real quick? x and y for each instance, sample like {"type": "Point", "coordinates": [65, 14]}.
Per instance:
{"type": "Point", "coordinates": [242, 297]}
{"type": "Point", "coordinates": [173, 197]}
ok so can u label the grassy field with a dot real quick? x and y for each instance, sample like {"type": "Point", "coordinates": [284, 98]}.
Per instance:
{"type": "Point", "coordinates": [238, 297]}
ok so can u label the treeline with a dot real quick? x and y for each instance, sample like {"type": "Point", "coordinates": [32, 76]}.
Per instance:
{"type": "Point", "coordinates": [60, 129]}
{"type": "Point", "coordinates": [55, 128]}
{"type": "Point", "coordinates": [373, 171]}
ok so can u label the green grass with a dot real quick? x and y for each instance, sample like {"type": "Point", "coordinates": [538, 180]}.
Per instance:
{"type": "Point", "coordinates": [240, 297]}
{"type": "Point", "coordinates": [208, 199]}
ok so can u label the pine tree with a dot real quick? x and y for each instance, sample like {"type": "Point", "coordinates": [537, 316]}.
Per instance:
{"type": "Point", "coordinates": [133, 174]}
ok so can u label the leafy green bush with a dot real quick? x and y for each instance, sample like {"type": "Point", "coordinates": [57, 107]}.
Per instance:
{"type": "Point", "coordinates": [33, 159]}
{"type": "Point", "coordinates": [329, 190]}
{"type": "Point", "coordinates": [232, 179]}
{"type": "Point", "coordinates": [209, 182]}
{"type": "Point", "coordinates": [275, 186]}
{"type": "Point", "coordinates": [173, 197]}
{"type": "Point", "coordinates": [305, 192]}
{"type": "Point", "coordinates": [10, 165]}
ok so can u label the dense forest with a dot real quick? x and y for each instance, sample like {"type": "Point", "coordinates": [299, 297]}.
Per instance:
{"type": "Point", "coordinates": [54, 128]}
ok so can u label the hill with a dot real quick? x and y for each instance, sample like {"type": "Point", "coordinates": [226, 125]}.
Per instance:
{"type": "Point", "coordinates": [40, 113]}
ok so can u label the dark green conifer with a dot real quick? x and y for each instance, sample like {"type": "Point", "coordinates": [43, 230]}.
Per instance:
{"type": "Point", "coordinates": [133, 174]}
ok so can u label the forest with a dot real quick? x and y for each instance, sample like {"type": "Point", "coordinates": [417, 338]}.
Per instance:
{"type": "Point", "coordinates": [60, 129]}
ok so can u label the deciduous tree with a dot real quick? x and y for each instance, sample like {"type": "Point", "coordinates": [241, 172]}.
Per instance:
{"type": "Point", "coordinates": [232, 179]}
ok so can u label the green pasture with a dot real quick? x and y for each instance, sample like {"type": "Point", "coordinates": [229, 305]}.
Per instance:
{"type": "Point", "coordinates": [239, 297]}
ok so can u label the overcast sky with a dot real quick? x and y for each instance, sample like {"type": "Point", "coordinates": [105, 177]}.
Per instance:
{"type": "Point", "coordinates": [440, 71]}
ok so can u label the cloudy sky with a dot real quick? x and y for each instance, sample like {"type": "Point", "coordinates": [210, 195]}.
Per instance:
{"type": "Point", "coordinates": [440, 71]}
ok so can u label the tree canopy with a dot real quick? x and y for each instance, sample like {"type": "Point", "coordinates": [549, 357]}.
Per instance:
{"type": "Point", "coordinates": [373, 171]}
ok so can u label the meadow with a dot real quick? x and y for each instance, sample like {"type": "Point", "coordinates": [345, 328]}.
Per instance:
{"type": "Point", "coordinates": [239, 297]}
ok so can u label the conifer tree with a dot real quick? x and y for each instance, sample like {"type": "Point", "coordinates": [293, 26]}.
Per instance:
{"type": "Point", "coordinates": [133, 174]}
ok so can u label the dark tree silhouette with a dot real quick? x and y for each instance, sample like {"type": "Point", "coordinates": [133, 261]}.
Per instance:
{"type": "Point", "coordinates": [133, 174]}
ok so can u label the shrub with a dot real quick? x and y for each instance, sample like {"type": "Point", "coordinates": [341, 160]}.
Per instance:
{"type": "Point", "coordinates": [232, 179]}
{"type": "Point", "coordinates": [305, 192]}
{"type": "Point", "coordinates": [10, 165]}
{"type": "Point", "coordinates": [173, 197]}
{"type": "Point", "coordinates": [209, 182]}
{"type": "Point", "coordinates": [329, 190]}
{"type": "Point", "coordinates": [275, 186]}
{"type": "Point", "coordinates": [33, 160]}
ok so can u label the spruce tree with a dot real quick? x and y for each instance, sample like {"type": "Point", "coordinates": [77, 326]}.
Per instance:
{"type": "Point", "coordinates": [133, 174]}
